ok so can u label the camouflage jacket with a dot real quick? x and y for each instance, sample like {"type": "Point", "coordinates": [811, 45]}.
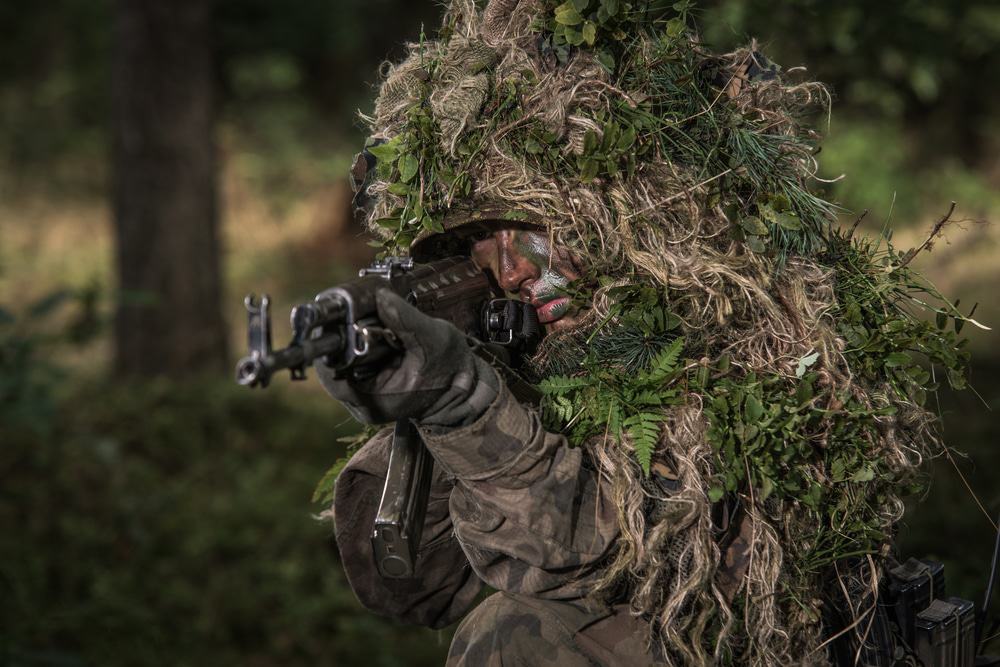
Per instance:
{"type": "Point", "coordinates": [511, 505]}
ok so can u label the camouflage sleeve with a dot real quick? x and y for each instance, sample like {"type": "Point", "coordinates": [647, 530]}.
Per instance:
{"type": "Point", "coordinates": [444, 586]}
{"type": "Point", "coordinates": [527, 509]}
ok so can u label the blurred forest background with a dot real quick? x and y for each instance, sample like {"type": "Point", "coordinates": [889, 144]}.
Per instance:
{"type": "Point", "coordinates": [158, 160]}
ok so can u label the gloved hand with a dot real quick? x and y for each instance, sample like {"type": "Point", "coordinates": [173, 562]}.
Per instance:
{"type": "Point", "coordinates": [436, 380]}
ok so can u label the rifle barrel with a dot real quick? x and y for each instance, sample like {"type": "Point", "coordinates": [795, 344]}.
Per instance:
{"type": "Point", "coordinates": [257, 369]}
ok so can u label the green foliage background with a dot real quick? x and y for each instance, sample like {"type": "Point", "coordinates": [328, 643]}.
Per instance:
{"type": "Point", "coordinates": [171, 523]}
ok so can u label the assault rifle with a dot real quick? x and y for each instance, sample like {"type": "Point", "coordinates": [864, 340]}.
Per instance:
{"type": "Point", "coordinates": [341, 329]}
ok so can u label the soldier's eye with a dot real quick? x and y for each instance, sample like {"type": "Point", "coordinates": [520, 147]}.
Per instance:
{"type": "Point", "coordinates": [480, 235]}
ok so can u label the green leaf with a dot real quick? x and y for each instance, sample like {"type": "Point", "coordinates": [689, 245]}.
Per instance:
{"type": "Point", "coordinates": [788, 221]}
{"type": "Point", "coordinates": [606, 60]}
{"type": "Point", "coordinates": [389, 223]}
{"type": "Point", "coordinates": [838, 470]}
{"type": "Point", "coordinates": [675, 27]}
{"type": "Point", "coordinates": [701, 377]}
{"type": "Point", "coordinates": [716, 493]}
{"type": "Point", "coordinates": [756, 244]}
{"type": "Point", "coordinates": [753, 225]}
{"type": "Point", "coordinates": [432, 225]}
{"type": "Point", "coordinates": [589, 33]}
{"type": "Point", "coordinates": [533, 147]}
{"type": "Point", "coordinates": [567, 14]}
{"type": "Point", "coordinates": [399, 189]}
{"type": "Point", "coordinates": [519, 216]}
{"type": "Point", "coordinates": [590, 169]}
{"type": "Point", "coordinates": [956, 379]}
{"type": "Point", "coordinates": [574, 37]}
{"type": "Point", "coordinates": [323, 493]}
{"type": "Point", "coordinates": [897, 359]}
{"type": "Point", "coordinates": [804, 363]}
{"type": "Point", "coordinates": [766, 488]}
{"type": "Point", "coordinates": [615, 418]}
{"type": "Point", "coordinates": [813, 497]}
{"type": "Point", "coordinates": [865, 474]}
{"type": "Point", "coordinates": [610, 138]}
{"type": "Point", "coordinates": [409, 165]}
{"type": "Point", "coordinates": [804, 392]}
{"type": "Point", "coordinates": [388, 151]}
{"type": "Point", "coordinates": [723, 364]}
{"type": "Point", "coordinates": [626, 139]}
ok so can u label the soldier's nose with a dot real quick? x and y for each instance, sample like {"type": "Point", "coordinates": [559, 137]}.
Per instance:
{"type": "Point", "coordinates": [515, 270]}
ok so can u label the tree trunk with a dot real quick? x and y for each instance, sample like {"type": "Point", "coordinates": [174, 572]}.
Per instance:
{"type": "Point", "coordinates": [169, 319]}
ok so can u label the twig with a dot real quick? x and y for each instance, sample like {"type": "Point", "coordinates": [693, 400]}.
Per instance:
{"type": "Point", "coordinates": [947, 453]}
{"type": "Point", "coordinates": [854, 227]}
{"type": "Point", "coordinates": [935, 231]}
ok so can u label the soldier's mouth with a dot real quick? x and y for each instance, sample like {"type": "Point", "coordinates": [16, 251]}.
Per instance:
{"type": "Point", "coordinates": [552, 310]}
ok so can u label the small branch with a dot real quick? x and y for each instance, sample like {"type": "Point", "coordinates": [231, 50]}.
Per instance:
{"type": "Point", "coordinates": [968, 487]}
{"type": "Point", "coordinates": [935, 231]}
{"type": "Point", "coordinates": [854, 227]}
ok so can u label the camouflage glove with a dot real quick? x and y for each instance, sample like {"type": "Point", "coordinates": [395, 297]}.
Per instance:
{"type": "Point", "coordinates": [436, 380]}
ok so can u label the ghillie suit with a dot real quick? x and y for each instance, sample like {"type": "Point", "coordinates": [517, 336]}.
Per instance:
{"type": "Point", "coordinates": [739, 349]}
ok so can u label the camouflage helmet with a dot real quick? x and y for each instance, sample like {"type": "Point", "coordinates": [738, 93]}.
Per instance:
{"type": "Point", "coordinates": [589, 119]}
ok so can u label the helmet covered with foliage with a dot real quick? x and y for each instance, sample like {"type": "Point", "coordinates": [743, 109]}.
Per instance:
{"type": "Point", "coordinates": [739, 348]}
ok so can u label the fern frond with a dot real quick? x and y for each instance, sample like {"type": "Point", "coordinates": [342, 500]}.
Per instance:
{"type": "Point", "coordinates": [563, 408]}
{"type": "Point", "coordinates": [644, 429]}
{"type": "Point", "coordinates": [649, 398]}
{"type": "Point", "coordinates": [615, 416]}
{"type": "Point", "coordinates": [559, 385]}
{"type": "Point", "coordinates": [664, 364]}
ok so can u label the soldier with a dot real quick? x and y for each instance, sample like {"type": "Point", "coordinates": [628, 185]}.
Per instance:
{"type": "Point", "coordinates": [715, 447]}
{"type": "Point", "coordinates": [512, 506]}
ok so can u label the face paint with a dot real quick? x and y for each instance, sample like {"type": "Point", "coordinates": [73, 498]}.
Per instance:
{"type": "Point", "coordinates": [524, 264]}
